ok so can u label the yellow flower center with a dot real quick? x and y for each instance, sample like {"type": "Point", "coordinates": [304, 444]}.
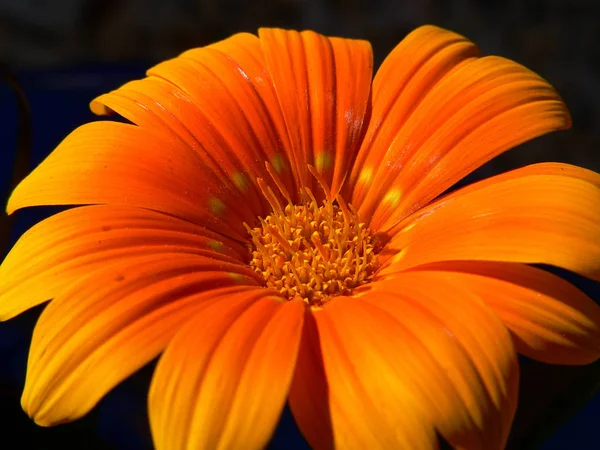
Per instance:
{"type": "Point", "coordinates": [313, 251]}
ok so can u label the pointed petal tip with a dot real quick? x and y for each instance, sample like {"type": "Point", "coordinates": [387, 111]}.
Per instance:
{"type": "Point", "coordinates": [431, 29]}
{"type": "Point", "coordinates": [35, 412]}
{"type": "Point", "coordinates": [11, 207]}
{"type": "Point", "coordinates": [550, 320]}
{"type": "Point", "coordinates": [99, 109]}
{"type": "Point", "coordinates": [13, 204]}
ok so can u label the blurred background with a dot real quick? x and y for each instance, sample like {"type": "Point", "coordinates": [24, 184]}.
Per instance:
{"type": "Point", "coordinates": [65, 52]}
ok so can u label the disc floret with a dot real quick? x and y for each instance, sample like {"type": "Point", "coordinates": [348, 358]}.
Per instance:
{"type": "Point", "coordinates": [312, 251]}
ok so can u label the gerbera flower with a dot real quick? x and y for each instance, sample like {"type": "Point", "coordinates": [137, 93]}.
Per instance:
{"type": "Point", "coordinates": [273, 223]}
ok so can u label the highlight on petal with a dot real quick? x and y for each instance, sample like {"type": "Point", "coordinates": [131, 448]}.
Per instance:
{"type": "Point", "coordinates": [121, 164]}
{"type": "Point", "coordinates": [323, 86]}
{"type": "Point", "coordinates": [106, 325]}
{"type": "Point", "coordinates": [223, 380]}
{"type": "Point", "coordinates": [550, 319]}
{"type": "Point", "coordinates": [478, 109]}
{"type": "Point", "coordinates": [78, 242]}
{"type": "Point", "coordinates": [519, 217]}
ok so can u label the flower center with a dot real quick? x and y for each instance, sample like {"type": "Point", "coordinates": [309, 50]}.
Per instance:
{"type": "Point", "coordinates": [313, 251]}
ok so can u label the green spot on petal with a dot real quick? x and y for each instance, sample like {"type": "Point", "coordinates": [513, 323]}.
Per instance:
{"type": "Point", "coordinates": [216, 206]}
{"type": "Point", "coordinates": [366, 175]}
{"type": "Point", "coordinates": [393, 197]}
{"type": "Point", "coordinates": [217, 246]}
{"type": "Point", "coordinates": [237, 277]}
{"type": "Point", "coordinates": [278, 163]}
{"type": "Point", "coordinates": [239, 179]}
{"type": "Point", "coordinates": [323, 161]}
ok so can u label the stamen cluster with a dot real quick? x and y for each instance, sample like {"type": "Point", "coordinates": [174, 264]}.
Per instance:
{"type": "Point", "coordinates": [314, 252]}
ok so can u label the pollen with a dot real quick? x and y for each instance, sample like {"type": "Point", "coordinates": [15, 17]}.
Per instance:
{"type": "Point", "coordinates": [312, 250]}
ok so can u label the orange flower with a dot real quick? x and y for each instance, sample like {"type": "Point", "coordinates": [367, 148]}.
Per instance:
{"type": "Point", "coordinates": [272, 222]}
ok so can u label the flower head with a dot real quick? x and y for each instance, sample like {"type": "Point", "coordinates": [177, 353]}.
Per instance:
{"type": "Point", "coordinates": [273, 222]}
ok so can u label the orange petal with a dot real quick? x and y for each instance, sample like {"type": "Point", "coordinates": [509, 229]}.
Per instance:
{"type": "Point", "coordinates": [223, 380]}
{"type": "Point", "coordinates": [219, 101]}
{"type": "Point", "coordinates": [545, 168]}
{"type": "Point", "coordinates": [548, 219]}
{"type": "Point", "coordinates": [456, 357]}
{"type": "Point", "coordinates": [80, 241]}
{"type": "Point", "coordinates": [323, 87]}
{"type": "Point", "coordinates": [350, 387]}
{"type": "Point", "coordinates": [120, 164]}
{"type": "Point", "coordinates": [472, 113]}
{"type": "Point", "coordinates": [106, 325]}
{"type": "Point", "coordinates": [419, 62]}
{"type": "Point", "coordinates": [550, 319]}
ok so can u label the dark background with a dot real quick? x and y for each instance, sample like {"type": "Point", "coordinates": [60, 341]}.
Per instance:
{"type": "Point", "coordinates": [65, 52]}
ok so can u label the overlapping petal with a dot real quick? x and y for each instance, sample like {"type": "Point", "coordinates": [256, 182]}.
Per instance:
{"type": "Point", "coordinates": [120, 164]}
{"type": "Point", "coordinates": [223, 380]}
{"type": "Point", "coordinates": [106, 325]}
{"type": "Point", "coordinates": [477, 371]}
{"type": "Point", "coordinates": [323, 86]}
{"type": "Point", "coordinates": [245, 101]}
{"type": "Point", "coordinates": [467, 111]}
{"type": "Point", "coordinates": [549, 318]}
{"type": "Point", "coordinates": [80, 241]}
{"type": "Point", "coordinates": [519, 217]}
{"type": "Point", "coordinates": [348, 390]}
{"type": "Point", "coordinates": [405, 358]}
{"type": "Point", "coordinates": [545, 168]}
{"type": "Point", "coordinates": [407, 74]}
{"type": "Point", "coordinates": [220, 102]}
